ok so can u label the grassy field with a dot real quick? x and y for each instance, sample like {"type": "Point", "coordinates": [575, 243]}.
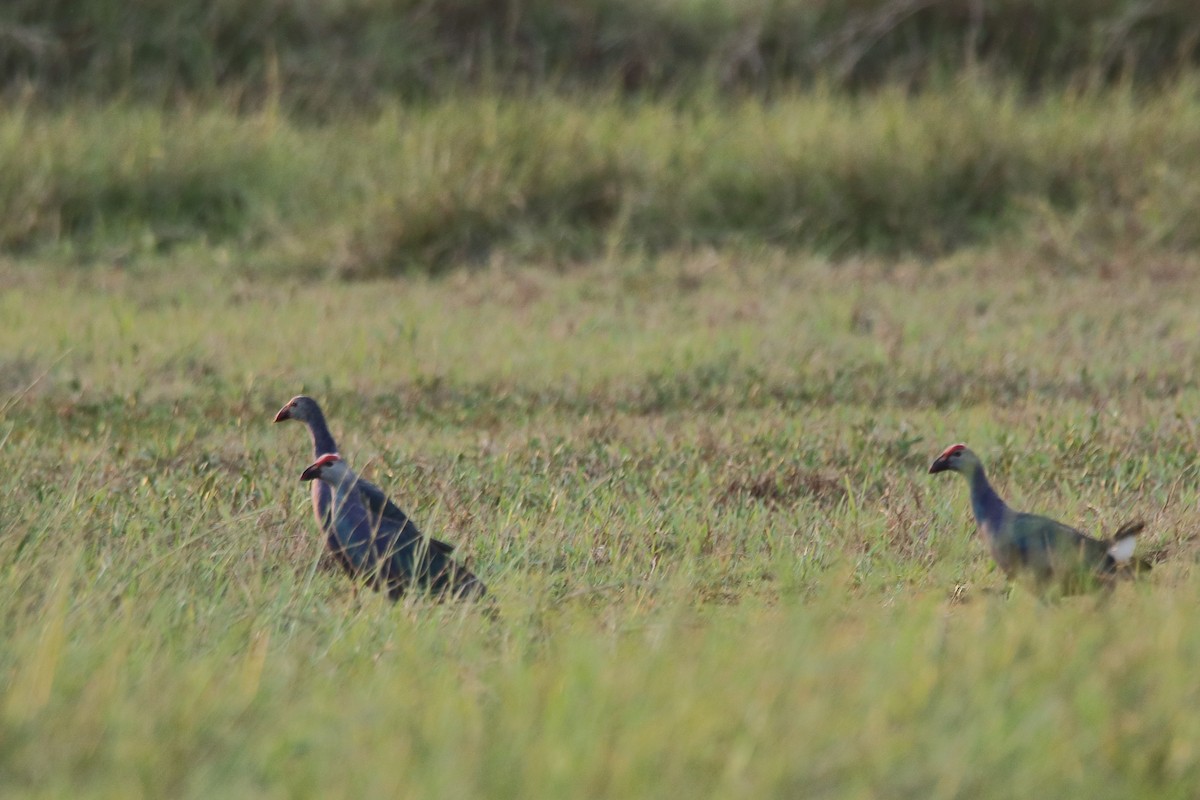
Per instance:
{"type": "Point", "coordinates": [695, 484]}
{"type": "Point", "coordinates": [665, 350]}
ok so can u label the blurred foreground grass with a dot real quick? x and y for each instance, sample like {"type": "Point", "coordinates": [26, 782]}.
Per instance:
{"type": "Point", "coordinates": [695, 483]}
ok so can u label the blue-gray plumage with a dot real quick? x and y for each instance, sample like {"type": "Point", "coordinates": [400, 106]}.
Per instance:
{"type": "Point", "coordinates": [391, 556]}
{"type": "Point", "coordinates": [352, 531]}
{"type": "Point", "coordinates": [305, 409]}
{"type": "Point", "coordinates": [1049, 551]}
{"type": "Point", "coordinates": [380, 510]}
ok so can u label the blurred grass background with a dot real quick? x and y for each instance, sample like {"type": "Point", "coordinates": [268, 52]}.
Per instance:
{"type": "Point", "coordinates": [567, 180]}
{"type": "Point", "coordinates": [423, 136]}
{"type": "Point", "coordinates": [322, 58]}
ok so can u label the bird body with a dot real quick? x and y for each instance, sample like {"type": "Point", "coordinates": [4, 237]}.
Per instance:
{"type": "Point", "coordinates": [340, 517]}
{"type": "Point", "coordinates": [1045, 549]}
{"type": "Point", "coordinates": [304, 409]}
{"type": "Point", "coordinates": [390, 555]}
{"type": "Point", "coordinates": [353, 533]}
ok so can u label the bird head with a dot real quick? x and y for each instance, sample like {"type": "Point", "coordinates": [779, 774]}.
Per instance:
{"type": "Point", "coordinates": [300, 408]}
{"type": "Point", "coordinates": [328, 467]}
{"type": "Point", "coordinates": [956, 457]}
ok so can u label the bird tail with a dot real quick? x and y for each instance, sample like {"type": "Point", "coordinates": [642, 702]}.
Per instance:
{"type": "Point", "coordinates": [433, 569]}
{"type": "Point", "coordinates": [1121, 546]}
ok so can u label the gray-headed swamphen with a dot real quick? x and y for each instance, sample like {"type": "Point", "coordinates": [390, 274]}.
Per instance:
{"type": "Point", "coordinates": [392, 557]}
{"type": "Point", "coordinates": [1052, 553]}
{"type": "Point", "coordinates": [387, 516]}
{"type": "Point", "coordinates": [304, 409]}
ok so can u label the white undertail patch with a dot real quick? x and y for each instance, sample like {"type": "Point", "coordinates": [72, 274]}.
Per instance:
{"type": "Point", "coordinates": [1122, 549]}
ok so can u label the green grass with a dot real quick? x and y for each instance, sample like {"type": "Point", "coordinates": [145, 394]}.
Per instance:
{"type": "Point", "coordinates": [1095, 179]}
{"type": "Point", "coordinates": [669, 372]}
{"type": "Point", "coordinates": [695, 483]}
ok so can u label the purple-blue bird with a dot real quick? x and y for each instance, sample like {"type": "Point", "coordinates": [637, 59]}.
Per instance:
{"type": "Point", "coordinates": [392, 557]}
{"type": "Point", "coordinates": [1052, 553]}
{"type": "Point", "coordinates": [387, 516]}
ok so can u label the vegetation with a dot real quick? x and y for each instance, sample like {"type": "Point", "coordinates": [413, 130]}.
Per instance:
{"type": "Point", "coordinates": [697, 488]}
{"type": "Point", "coordinates": [326, 57]}
{"type": "Point", "coordinates": [567, 179]}
{"type": "Point", "coordinates": [659, 311]}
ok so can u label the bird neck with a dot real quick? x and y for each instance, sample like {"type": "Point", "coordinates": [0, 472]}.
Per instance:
{"type": "Point", "coordinates": [344, 485]}
{"type": "Point", "coordinates": [322, 439]}
{"type": "Point", "coordinates": [988, 507]}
